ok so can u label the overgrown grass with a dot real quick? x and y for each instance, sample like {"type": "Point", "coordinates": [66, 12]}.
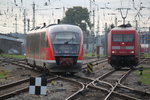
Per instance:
{"type": "Point", "coordinates": [145, 77]}
{"type": "Point", "coordinates": [3, 73]}
{"type": "Point", "coordinates": [147, 55]}
{"type": "Point", "coordinates": [12, 56]}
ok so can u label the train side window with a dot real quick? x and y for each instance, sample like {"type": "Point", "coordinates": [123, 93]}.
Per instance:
{"type": "Point", "coordinates": [44, 42]}
{"type": "Point", "coordinates": [31, 39]}
{"type": "Point", "coordinates": [42, 39]}
{"type": "Point", "coordinates": [36, 43]}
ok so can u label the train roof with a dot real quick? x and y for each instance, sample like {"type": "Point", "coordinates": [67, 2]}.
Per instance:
{"type": "Point", "coordinates": [64, 27]}
{"type": "Point", "coordinates": [58, 28]}
{"type": "Point", "coordinates": [124, 28]}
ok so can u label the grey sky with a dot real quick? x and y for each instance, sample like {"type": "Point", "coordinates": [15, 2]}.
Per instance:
{"type": "Point", "coordinates": [50, 14]}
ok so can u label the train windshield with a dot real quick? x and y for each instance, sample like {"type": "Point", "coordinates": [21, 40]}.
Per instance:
{"type": "Point", "coordinates": [66, 43]}
{"type": "Point", "coordinates": [128, 38]}
{"type": "Point", "coordinates": [122, 37]}
{"type": "Point", "coordinates": [65, 38]}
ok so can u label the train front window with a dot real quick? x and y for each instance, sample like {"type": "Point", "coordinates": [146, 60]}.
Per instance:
{"type": "Point", "coordinates": [128, 38]}
{"type": "Point", "coordinates": [65, 37]}
{"type": "Point", "coordinates": [65, 43]}
{"type": "Point", "coordinates": [117, 38]}
{"type": "Point", "coordinates": [122, 37]}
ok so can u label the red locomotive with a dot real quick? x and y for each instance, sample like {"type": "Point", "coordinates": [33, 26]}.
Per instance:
{"type": "Point", "coordinates": [58, 48]}
{"type": "Point", "coordinates": [123, 47]}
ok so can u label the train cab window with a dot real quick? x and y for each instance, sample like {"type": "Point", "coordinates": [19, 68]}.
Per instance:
{"type": "Point", "coordinates": [65, 43]}
{"type": "Point", "coordinates": [128, 37]}
{"type": "Point", "coordinates": [122, 37]}
{"type": "Point", "coordinates": [117, 38]}
{"type": "Point", "coordinates": [65, 37]}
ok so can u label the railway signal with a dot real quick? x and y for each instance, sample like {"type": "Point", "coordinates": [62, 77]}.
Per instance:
{"type": "Point", "coordinates": [38, 86]}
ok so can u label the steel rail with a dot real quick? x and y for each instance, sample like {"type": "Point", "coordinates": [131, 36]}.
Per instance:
{"type": "Point", "coordinates": [18, 91]}
{"type": "Point", "coordinates": [98, 78]}
{"type": "Point", "coordinates": [94, 63]}
{"type": "Point", "coordinates": [131, 89]}
{"type": "Point", "coordinates": [74, 94]}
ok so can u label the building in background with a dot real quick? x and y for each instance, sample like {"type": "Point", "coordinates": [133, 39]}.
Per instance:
{"type": "Point", "coordinates": [10, 44]}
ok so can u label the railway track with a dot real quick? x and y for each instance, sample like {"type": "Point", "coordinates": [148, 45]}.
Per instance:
{"type": "Point", "coordinates": [19, 62]}
{"type": "Point", "coordinates": [102, 87]}
{"type": "Point", "coordinates": [17, 87]}
{"type": "Point", "coordinates": [20, 83]}
{"type": "Point", "coordinates": [92, 60]}
{"type": "Point", "coordinates": [108, 88]}
{"type": "Point", "coordinates": [14, 88]}
{"type": "Point", "coordinates": [23, 83]}
{"type": "Point", "coordinates": [22, 63]}
{"type": "Point", "coordinates": [25, 88]}
{"type": "Point", "coordinates": [94, 63]}
{"type": "Point", "coordinates": [89, 88]}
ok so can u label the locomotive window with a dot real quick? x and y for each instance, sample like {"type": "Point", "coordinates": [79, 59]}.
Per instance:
{"type": "Point", "coordinates": [117, 38]}
{"type": "Point", "coordinates": [128, 37]}
{"type": "Point", "coordinates": [123, 38]}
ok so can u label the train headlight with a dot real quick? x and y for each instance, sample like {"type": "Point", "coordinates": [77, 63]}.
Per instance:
{"type": "Point", "coordinates": [113, 52]}
{"type": "Point", "coordinates": [131, 51]}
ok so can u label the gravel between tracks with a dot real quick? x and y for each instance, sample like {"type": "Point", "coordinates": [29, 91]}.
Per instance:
{"type": "Point", "coordinates": [133, 81]}
{"type": "Point", "coordinates": [15, 73]}
{"type": "Point", "coordinates": [98, 70]}
{"type": "Point", "coordinates": [57, 90]}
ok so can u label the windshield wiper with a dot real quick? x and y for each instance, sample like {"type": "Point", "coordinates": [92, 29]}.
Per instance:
{"type": "Point", "coordinates": [69, 40]}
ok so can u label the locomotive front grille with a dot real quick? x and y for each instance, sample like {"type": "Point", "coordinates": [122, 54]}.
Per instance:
{"type": "Point", "coordinates": [123, 60]}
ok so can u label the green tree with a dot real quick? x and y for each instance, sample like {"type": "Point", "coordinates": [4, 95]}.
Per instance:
{"type": "Point", "coordinates": [77, 16]}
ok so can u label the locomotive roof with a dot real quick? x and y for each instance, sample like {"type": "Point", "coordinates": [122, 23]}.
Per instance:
{"type": "Point", "coordinates": [124, 28]}
{"type": "Point", "coordinates": [64, 27]}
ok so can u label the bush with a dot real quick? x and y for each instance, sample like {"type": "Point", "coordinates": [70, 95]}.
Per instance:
{"type": "Point", "coordinates": [1, 51]}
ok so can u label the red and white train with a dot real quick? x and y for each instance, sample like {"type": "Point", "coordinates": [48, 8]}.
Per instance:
{"type": "Point", "coordinates": [123, 47]}
{"type": "Point", "coordinates": [58, 48]}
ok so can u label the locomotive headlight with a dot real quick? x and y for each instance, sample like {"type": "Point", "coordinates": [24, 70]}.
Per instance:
{"type": "Point", "coordinates": [113, 51]}
{"type": "Point", "coordinates": [131, 51]}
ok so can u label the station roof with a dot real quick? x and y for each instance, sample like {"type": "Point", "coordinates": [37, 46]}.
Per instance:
{"type": "Point", "coordinates": [4, 36]}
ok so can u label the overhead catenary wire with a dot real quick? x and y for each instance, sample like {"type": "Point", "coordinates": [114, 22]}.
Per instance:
{"type": "Point", "coordinates": [11, 7]}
